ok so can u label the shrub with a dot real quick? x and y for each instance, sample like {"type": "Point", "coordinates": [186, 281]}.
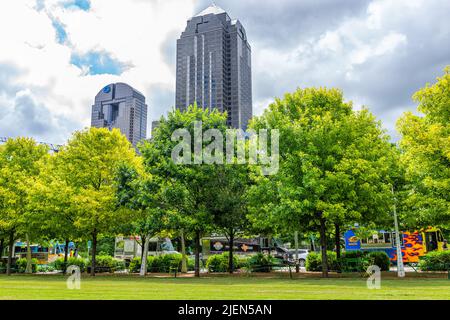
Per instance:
{"type": "Point", "coordinates": [191, 264]}
{"type": "Point", "coordinates": [219, 262]}
{"type": "Point", "coordinates": [105, 263]}
{"type": "Point", "coordinates": [45, 268]}
{"type": "Point", "coordinates": [135, 265]}
{"type": "Point", "coordinates": [119, 265]}
{"type": "Point", "coordinates": [21, 265]}
{"type": "Point", "coordinates": [353, 254]}
{"type": "Point", "coordinates": [435, 261]}
{"type": "Point", "coordinates": [243, 261]}
{"type": "Point", "coordinates": [58, 264]}
{"type": "Point", "coordinates": [314, 261]}
{"type": "Point", "coordinates": [79, 262]}
{"type": "Point", "coordinates": [381, 259]}
{"type": "Point", "coordinates": [261, 262]}
{"type": "Point", "coordinates": [163, 263]}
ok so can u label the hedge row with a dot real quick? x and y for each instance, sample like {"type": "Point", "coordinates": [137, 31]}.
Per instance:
{"type": "Point", "coordinates": [103, 264]}
{"type": "Point", "coordinates": [214, 263]}
{"type": "Point", "coordinates": [257, 263]}
{"type": "Point", "coordinates": [379, 258]}
{"type": "Point", "coordinates": [20, 266]}
{"type": "Point", "coordinates": [162, 263]}
{"type": "Point", "coordinates": [435, 261]}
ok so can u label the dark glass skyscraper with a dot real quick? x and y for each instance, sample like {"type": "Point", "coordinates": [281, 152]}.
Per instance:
{"type": "Point", "coordinates": [214, 66]}
{"type": "Point", "coordinates": [120, 106]}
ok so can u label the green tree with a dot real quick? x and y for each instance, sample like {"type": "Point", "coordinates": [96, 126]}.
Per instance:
{"type": "Point", "coordinates": [52, 200]}
{"type": "Point", "coordinates": [335, 164]}
{"type": "Point", "coordinates": [227, 202]}
{"type": "Point", "coordinates": [140, 193]}
{"type": "Point", "coordinates": [425, 147]}
{"type": "Point", "coordinates": [19, 167]}
{"type": "Point", "coordinates": [91, 160]}
{"type": "Point", "coordinates": [185, 185]}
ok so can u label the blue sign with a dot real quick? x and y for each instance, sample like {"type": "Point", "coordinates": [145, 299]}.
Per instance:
{"type": "Point", "coordinates": [107, 89]}
{"type": "Point", "coordinates": [352, 242]}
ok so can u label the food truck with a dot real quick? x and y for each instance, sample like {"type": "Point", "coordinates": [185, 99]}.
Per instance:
{"type": "Point", "coordinates": [414, 244]}
{"type": "Point", "coordinates": [128, 247]}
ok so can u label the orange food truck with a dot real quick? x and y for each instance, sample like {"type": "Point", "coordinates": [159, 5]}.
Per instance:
{"type": "Point", "coordinates": [414, 244]}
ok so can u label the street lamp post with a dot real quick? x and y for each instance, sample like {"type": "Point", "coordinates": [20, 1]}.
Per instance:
{"type": "Point", "coordinates": [400, 266]}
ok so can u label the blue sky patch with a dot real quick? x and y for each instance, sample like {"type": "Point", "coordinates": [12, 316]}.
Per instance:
{"type": "Point", "coordinates": [39, 5]}
{"type": "Point", "coordinates": [61, 34]}
{"type": "Point", "coordinates": [98, 62]}
{"type": "Point", "coordinates": [80, 4]}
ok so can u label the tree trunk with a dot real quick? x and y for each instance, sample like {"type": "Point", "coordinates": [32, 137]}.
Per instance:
{"type": "Point", "coordinates": [269, 243]}
{"type": "Point", "coordinates": [197, 254]}
{"type": "Point", "coordinates": [143, 239]}
{"type": "Point", "coordinates": [230, 250]}
{"type": "Point", "coordinates": [323, 245]}
{"type": "Point", "coordinates": [144, 255]}
{"type": "Point", "coordinates": [29, 268]}
{"type": "Point", "coordinates": [2, 246]}
{"type": "Point", "coordinates": [313, 247]}
{"type": "Point", "coordinates": [337, 240]}
{"type": "Point", "coordinates": [10, 252]}
{"type": "Point", "coordinates": [94, 252]}
{"type": "Point", "coordinates": [184, 268]}
{"type": "Point", "coordinates": [66, 251]}
{"type": "Point", "coordinates": [297, 261]}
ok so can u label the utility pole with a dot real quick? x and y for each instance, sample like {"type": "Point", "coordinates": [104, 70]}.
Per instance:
{"type": "Point", "coordinates": [400, 266]}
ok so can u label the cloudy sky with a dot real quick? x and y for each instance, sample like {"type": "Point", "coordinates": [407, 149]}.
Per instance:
{"type": "Point", "coordinates": [55, 55]}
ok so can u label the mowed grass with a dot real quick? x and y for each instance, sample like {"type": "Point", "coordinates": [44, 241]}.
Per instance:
{"type": "Point", "coordinates": [210, 288]}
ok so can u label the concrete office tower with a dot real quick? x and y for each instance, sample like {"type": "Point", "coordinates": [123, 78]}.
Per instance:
{"type": "Point", "coordinates": [214, 66]}
{"type": "Point", "coordinates": [120, 106]}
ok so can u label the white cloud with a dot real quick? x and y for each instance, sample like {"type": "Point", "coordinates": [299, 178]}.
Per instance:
{"type": "Point", "coordinates": [378, 57]}
{"type": "Point", "coordinates": [378, 53]}
{"type": "Point", "coordinates": [132, 31]}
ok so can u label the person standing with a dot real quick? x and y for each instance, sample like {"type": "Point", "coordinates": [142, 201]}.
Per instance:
{"type": "Point", "coordinates": [432, 245]}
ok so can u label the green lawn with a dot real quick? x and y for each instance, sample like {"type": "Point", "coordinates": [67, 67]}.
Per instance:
{"type": "Point", "coordinates": [128, 287]}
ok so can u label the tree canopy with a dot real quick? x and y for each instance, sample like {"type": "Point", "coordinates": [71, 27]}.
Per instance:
{"type": "Point", "coordinates": [335, 164]}
{"type": "Point", "coordinates": [425, 147]}
{"type": "Point", "coordinates": [91, 161]}
{"type": "Point", "coordinates": [19, 167]}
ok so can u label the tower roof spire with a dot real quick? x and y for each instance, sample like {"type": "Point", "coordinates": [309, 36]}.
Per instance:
{"type": "Point", "coordinates": [212, 9]}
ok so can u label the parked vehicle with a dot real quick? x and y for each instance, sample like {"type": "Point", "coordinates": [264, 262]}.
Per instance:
{"type": "Point", "coordinates": [37, 252]}
{"type": "Point", "coordinates": [302, 255]}
{"type": "Point", "coordinates": [414, 244]}
{"type": "Point", "coordinates": [126, 248]}
{"type": "Point", "coordinates": [249, 246]}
